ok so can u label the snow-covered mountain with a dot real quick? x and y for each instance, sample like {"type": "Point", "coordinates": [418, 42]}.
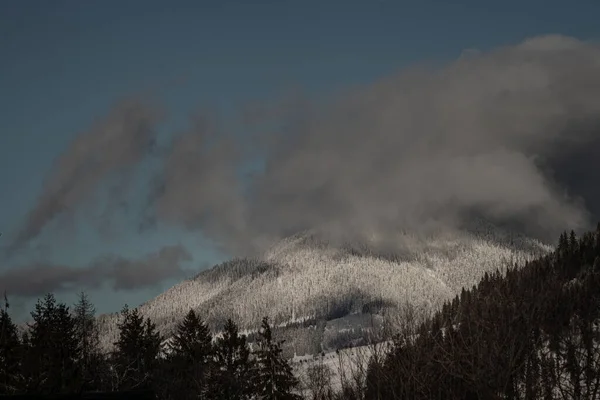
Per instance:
{"type": "Point", "coordinates": [324, 296]}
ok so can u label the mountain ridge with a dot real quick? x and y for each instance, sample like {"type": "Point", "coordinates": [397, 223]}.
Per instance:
{"type": "Point", "coordinates": [304, 281]}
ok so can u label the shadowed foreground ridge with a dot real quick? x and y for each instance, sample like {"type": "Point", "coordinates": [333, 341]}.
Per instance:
{"type": "Point", "coordinates": [533, 333]}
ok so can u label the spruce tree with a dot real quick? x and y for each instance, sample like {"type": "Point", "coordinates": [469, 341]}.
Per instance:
{"type": "Point", "coordinates": [152, 347]}
{"type": "Point", "coordinates": [88, 339]}
{"type": "Point", "coordinates": [192, 339]}
{"type": "Point", "coordinates": [137, 350]}
{"type": "Point", "coordinates": [275, 380]}
{"type": "Point", "coordinates": [10, 347]}
{"type": "Point", "coordinates": [191, 357]}
{"type": "Point", "coordinates": [52, 350]}
{"type": "Point", "coordinates": [233, 377]}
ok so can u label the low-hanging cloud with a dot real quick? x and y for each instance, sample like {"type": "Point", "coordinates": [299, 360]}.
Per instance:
{"type": "Point", "coordinates": [511, 135]}
{"type": "Point", "coordinates": [118, 272]}
{"type": "Point", "coordinates": [504, 135]}
{"type": "Point", "coordinates": [111, 148]}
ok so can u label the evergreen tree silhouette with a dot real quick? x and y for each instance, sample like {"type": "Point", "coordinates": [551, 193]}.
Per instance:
{"type": "Point", "coordinates": [91, 360]}
{"type": "Point", "coordinates": [274, 380]}
{"type": "Point", "coordinates": [233, 378]}
{"type": "Point", "coordinates": [191, 358]}
{"type": "Point", "coordinates": [137, 351]}
{"type": "Point", "coordinates": [52, 350]}
{"type": "Point", "coordinates": [10, 353]}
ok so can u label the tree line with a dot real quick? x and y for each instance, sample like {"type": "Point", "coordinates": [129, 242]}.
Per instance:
{"type": "Point", "coordinates": [59, 353]}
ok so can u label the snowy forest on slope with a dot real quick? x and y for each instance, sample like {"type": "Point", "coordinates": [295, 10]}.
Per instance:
{"type": "Point", "coordinates": [303, 282]}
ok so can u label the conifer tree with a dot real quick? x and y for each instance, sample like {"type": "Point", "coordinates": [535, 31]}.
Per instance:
{"type": "Point", "coordinates": [88, 338]}
{"type": "Point", "coordinates": [10, 347]}
{"type": "Point", "coordinates": [51, 349]}
{"type": "Point", "coordinates": [192, 339]}
{"type": "Point", "coordinates": [233, 379]}
{"type": "Point", "coordinates": [152, 344]}
{"type": "Point", "coordinates": [137, 350]}
{"type": "Point", "coordinates": [275, 380]}
{"type": "Point", "coordinates": [191, 357]}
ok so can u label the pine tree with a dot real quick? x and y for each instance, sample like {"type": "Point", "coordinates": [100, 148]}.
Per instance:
{"type": "Point", "coordinates": [275, 380]}
{"type": "Point", "coordinates": [192, 339]}
{"type": "Point", "coordinates": [88, 339]}
{"type": "Point", "coordinates": [137, 350]}
{"type": "Point", "coordinates": [51, 349]}
{"type": "Point", "coordinates": [563, 245]}
{"type": "Point", "coordinates": [233, 376]}
{"type": "Point", "coordinates": [10, 348]}
{"type": "Point", "coordinates": [152, 347]}
{"type": "Point", "coordinates": [191, 357]}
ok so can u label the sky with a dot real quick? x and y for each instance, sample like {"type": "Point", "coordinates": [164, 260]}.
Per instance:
{"type": "Point", "coordinates": [144, 141]}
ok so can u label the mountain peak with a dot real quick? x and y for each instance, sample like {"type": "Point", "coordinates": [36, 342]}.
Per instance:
{"type": "Point", "coordinates": [307, 277]}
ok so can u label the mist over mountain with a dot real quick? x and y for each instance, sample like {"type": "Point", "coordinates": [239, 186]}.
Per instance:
{"type": "Point", "coordinates": [510, 135]}
{"type": "Point", "coordinates": [400, 192]}
{"type": "Point", "coordinates": [324, 296]}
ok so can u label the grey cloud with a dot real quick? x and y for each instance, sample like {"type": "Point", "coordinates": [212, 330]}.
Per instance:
{"type": "Point", "coordinates": [199, 187]}
{"type": "Point", "coordinates": [120, 273]}
{"type": "Point", "coordinates": [109, 149]}
{"type": "Point", "coordinates": [128, 274]}
{"type": "Point", "coordinates": [491, 134]}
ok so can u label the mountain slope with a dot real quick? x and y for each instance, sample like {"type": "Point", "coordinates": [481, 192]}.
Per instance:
{"type": "Point", "coordinates": [531, 333]}
{"type": "Point", "coordinates": [302, 282]}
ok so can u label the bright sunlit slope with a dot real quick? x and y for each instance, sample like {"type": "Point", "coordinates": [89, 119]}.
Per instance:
{"type": "Point", "coordinates": [304, 282]}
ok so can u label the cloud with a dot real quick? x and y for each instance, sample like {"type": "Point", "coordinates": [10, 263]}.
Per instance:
{"type": "Point", "coordinates": [510, 135]}
{"type": "Point", "coordinates": [496, 134]}
{"type": "Point", "coordinates": [120, 273]}
{"type": "Point", "coordinates": [199, 186]}
{"type": "Point", "coordinates": [111, 148]}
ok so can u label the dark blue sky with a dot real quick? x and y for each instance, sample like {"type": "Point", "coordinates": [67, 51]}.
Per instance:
{"type": "Point", "coordinates": [64, 63]}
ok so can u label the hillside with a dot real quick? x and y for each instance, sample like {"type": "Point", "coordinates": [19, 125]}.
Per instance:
{"type": "Point", "coordinates": [305, 284]}
{"type": "Point", "coordinates": [531, 333]}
